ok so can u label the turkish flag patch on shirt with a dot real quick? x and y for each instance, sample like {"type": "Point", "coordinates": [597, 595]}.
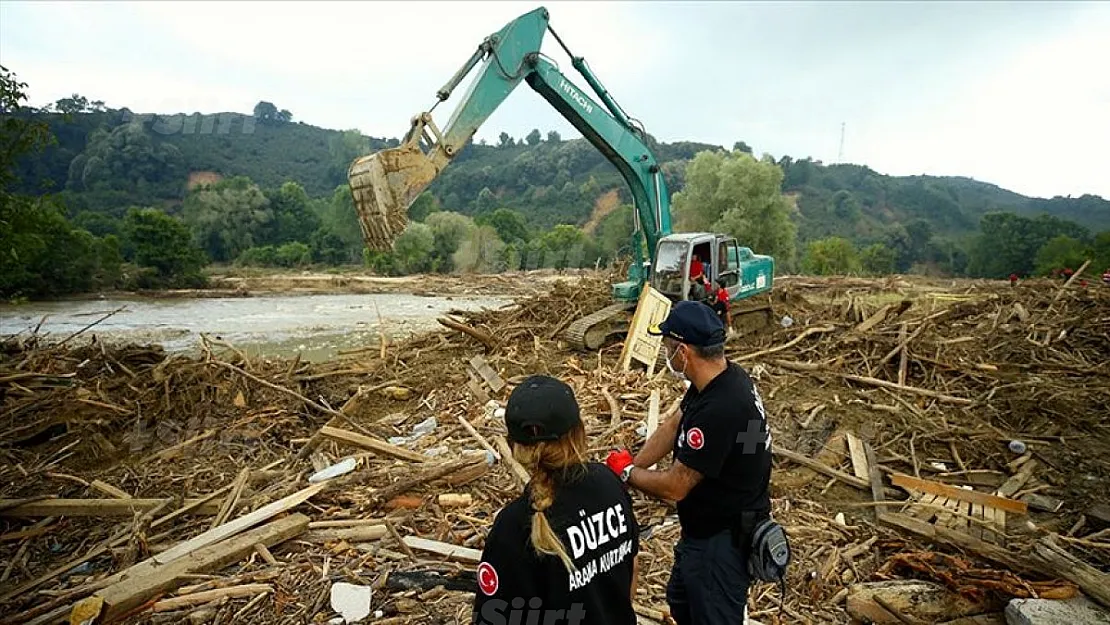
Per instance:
{"type": "Point", "coordinates": [487, 578]}
{"type": "Point", "coordinates": [695, 438]}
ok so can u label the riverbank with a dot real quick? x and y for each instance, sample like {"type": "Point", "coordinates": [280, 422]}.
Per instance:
{"type": "Point", "coordinates": [932, 379]}
{"type": "Point", "coordinates": [313, 327]}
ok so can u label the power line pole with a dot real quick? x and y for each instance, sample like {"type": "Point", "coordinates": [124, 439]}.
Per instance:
{"type": "Point", "coordinates": [840, 152]}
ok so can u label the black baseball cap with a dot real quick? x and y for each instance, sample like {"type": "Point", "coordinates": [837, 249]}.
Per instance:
{"type": "Point", "coordinates": [693, 323]}
{"type": "Point", "coordinates": [541, 408]}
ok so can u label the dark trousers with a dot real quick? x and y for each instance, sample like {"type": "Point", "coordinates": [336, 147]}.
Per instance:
{"type": "Point", "coordinates": [709, 580]}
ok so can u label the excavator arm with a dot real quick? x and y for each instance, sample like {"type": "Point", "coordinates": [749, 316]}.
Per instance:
{"type": "Point", "coordinates": [386, 183]}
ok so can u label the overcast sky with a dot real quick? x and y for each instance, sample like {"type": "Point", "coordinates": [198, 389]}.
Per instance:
{"type": "Point", "coordinates": [1012, 93]}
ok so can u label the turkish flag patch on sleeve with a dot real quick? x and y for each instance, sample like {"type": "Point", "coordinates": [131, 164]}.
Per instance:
{"type": "Point", "coordinates": [695, 438]}
{"type": "Point", "coordinates": [487, 579]}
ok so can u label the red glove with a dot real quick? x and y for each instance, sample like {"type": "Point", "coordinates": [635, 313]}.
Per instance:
{"type": "Point", "coordinates": [618, 460]}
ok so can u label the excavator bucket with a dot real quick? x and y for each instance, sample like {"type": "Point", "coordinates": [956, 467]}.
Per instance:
{"type": "Point", "coordinates": [383, 186]}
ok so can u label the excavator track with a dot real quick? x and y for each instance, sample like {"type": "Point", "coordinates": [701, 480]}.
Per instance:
{"type": "Point", "coordinates": [751, 317]}
{"type": "Point", "coordinates": [589, 332]}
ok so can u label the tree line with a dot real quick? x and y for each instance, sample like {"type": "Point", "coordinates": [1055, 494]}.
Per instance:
{"type": "Point", "coordinates": [124, 219]}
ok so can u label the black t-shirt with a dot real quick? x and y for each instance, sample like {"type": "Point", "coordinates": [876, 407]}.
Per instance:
{"type": "Point", "coordinates": [592, 516]}
{"type": "Point", "coordinates": [723, 435]}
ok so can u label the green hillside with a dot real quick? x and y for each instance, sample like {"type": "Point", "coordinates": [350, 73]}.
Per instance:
{"type": "Point", "coordinates": [266, 190]}
{"type": "Point", "coordinates": [548, 180]}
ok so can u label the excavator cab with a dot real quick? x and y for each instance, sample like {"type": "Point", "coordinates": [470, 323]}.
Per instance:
{"type": "Point", "coordinates": [742, 272]}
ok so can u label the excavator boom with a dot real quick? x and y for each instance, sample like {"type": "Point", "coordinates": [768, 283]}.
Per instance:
{"type": "Point", "coordinates": [386, 183]}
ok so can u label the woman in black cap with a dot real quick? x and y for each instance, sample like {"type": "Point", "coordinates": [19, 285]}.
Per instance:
{"type": "Point", "coordinates": [565, 550]}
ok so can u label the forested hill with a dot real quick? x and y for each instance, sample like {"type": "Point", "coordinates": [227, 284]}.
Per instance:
{"type": "Point", "coordinates": [106, 164]}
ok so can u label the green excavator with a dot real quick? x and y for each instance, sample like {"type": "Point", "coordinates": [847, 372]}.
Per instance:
{"type": "Point", "coordinates": [386, 183]}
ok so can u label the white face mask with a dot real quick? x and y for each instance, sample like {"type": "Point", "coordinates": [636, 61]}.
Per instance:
{"type": "Point", "coordinates": [681, 375]}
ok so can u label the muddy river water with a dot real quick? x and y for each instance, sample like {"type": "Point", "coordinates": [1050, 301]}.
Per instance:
{"type": "Point", "coordinates": [316, 326]}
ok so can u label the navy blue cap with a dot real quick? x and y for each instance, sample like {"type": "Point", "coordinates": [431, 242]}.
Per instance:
{"type": "Point", "coordinates": [693, 323]}
{"type": "Point", "coordinates": [541, 408]}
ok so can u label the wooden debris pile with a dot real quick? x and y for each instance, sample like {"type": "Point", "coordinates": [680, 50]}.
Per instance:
{"type": "Point", "coordinates": [248, 489]}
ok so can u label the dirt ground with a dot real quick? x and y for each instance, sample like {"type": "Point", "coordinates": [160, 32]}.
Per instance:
{"type": "Point", "coordinates": [937, 377]}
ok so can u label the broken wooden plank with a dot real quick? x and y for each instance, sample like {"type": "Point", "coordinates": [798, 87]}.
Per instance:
{"type": "Point", "coordinates": [478, 437]}
{"type": "Point", "coordinates": [976, 529]}
{"type": "Point", "coordinates": [444, 549]}
{"type": "Point", "coordinates": [945, 510]}
{"type": "Point", "coordinates": [237, 525]}
{"type": "Point", "coordinates": [920, 601]}
{"type": "Point", "coordinates": [134, 586]}
{"type": "Point", "coordinates": [475, 387]}
{"type": "Point", "coordinates": [197, 598]}
{"type": "Point", "coordinates": [859, 458]}
{"type": "Point", "coordinates": [109, 490]}
{"type": "Point", "coordinates": [948, 536]}
{"type": "Point", "coordinates": [873, 320]}
{"type": "Point", "coordinates": [926, 510]}
{"type": "Point", "coordinates": [822, 468]}
{"type": "Point", "coordinates": [467, 474]}
{"type": "Point", "coordinates": [432, 473]}
{"type": "Point", "coordinates": [170, 452]}
{"type": "Point", "coordinates": [1043, 503]}
{"type": "Point", "coordinates": [482, 368]}
{"type": "Point", "coordinates": [373, 444]}
{"type": "Point", "coordinates": [355, 534]}
{"type": "Point", "coordinates": [1099, 511]}
{"type": "Point", "coordinates": [507, 457]}
{"type": "Point", "coordinates": [1018, 480]}
{"type": "Point", "coordinates": [952, 492]}
{"type": "Point", "coordinates": [909, 389]}
{"type": "Point", "coordinates": [232, 498]}
{"type": "Point", "coordinates": [96, 507]}
{"type": "Point", "coordinates": [875, 480]}
{"type": "Point", "coordinates": [992, 531]}
{"type": "Point", "coordinates": [481, 335]}
{"type": "Point", "coordinates": [1064, 565]}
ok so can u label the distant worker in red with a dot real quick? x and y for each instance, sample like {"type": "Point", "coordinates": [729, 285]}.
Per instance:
{"type": "Point", "coordinates": [1106, 277]}
{"type": "Point", "coordinates": [697, 269]}
{"type": "Point", "coordinates": [720, 305]}
{"type": "Point", "coordinates": [1067, 273]}
{"type": "Point", "coordinates": [699, 287]}
{"type": "Point", "coordinates": [1013, 279]}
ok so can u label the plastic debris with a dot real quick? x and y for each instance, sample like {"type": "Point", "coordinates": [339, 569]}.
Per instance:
{"type": "Point", "coordinates": [351, 601]}
{"type": "Point", "coordinates": [335, 470]}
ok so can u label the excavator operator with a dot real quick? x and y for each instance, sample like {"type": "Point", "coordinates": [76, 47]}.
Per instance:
{"type": "Point", "coordinates": [699, 287]}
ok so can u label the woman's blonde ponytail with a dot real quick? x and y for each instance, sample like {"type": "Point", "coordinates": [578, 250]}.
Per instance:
{"type": "Point", "coordinates": [544, 461]}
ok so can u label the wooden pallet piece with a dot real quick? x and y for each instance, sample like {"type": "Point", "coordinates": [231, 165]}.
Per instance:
{"type": "Point", "coordinates": [924, 512]}
{"type": "Point", "coordinates": [474, 383]}
{"type": "Point", "coordinates": [973, 528]}
{"type": "Point", "coordinates": [996, 532]}
{"type": "Point", "coordinates": [945, 516]}
{"type": "Point", "coordinates": [961, 523]}
{"type": "Point", "coordinates": [909, 504]}
{"type": "Point", "coordinates": [962, 494]}
{"type": "Point", "coordinates": [482, 368]}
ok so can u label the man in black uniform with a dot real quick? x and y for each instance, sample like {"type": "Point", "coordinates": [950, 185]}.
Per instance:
{"type": "Point", "coordinates": [721, 472]}
{"type": "Point", "coordinates": [564, 552]}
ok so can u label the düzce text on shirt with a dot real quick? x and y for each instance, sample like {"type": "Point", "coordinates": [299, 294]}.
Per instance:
{"type": "Point", "coordinates": [593, 518]}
